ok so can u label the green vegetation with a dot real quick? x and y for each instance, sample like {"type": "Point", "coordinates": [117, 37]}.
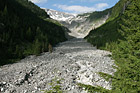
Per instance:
{"type": "Point", "coordinates": [33, 8]}
{"type": "Point", "coordinates": [96, 89]}
{"type": "Point", "coordinates": [25, 29]}
{"type": "Point", "coordinates": [94, 16]}
{"type": "Point", "coordinates": [55, 86]}
{"type": "Point", "coordinates": [107, 35]}
{"type": "Point", "coordinates": [118, 9]}
{"type": "Point", "coordinates": [104, 35]}
{"type": "Point", "coordinates": [121, 35]}
{"type": "Point", "coordinates": [98, 15]}
{"type": "Point", "coordinates": [127, 53]}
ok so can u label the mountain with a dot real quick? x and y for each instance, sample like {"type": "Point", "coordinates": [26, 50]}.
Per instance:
{"type": "Point", "coordinates": [108, 32]}
{"type": "Point", "coordinates": [121, 35]}
{"type": "Point", "coordinates": [60, 16]}
{"type": "Point", "coordinates": [25, 29]}
{"type": "Point", "coordinates": [80, 24]}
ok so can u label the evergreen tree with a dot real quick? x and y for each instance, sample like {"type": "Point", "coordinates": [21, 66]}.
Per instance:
{"type": "Point", "coordinates": [29, 34]}
{"type": "Point", "coordinates": [126, 51]}
{"type": "Point", "coordinates": [5, 12]}
{"type": "Point", "coordinates": [24, 33]}
{"type": "Point", "coordinates": [127, 77]}
{"type": "Point", "coordinates": [37, 47]}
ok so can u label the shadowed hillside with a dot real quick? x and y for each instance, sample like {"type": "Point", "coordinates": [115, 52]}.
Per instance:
{"type": "Point", "coordinates": [121, 35]}
{"type": "Point", "coordinates": [25, 29]}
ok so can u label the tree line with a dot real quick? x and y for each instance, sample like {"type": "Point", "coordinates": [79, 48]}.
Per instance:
{"type": "Point", "coordinates": [24, 30]}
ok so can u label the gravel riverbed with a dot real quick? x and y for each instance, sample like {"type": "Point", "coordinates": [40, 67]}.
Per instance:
{"type": "Point", "coordinates": [74, 61]}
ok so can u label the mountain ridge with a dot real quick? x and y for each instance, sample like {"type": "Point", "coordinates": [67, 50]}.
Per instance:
{"type": "Point", "coordinates": [60, 16]}
{"type": "Point", "coordinates": [80, 23]}
{"type": "Point", "coordinates": [120, 35]}
{"type": "Point", "coordinates": [27, 32]}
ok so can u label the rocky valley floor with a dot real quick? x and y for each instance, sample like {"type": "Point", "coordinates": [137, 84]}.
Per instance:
{"type": "Point", "coordinates": [72, 62]}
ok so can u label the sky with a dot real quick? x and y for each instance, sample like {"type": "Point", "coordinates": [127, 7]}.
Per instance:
{"type": "Point", "coordinates": [75, 6]}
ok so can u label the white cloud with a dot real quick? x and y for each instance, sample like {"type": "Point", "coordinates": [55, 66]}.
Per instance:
{"type": "Point", "coordinates": [81, 9]}
{"type": "Point", "coordinates": [38, 1]}
{"type": "Point", "coordinates": [83, 0]}
{"type": "Point", "coordinates": [75, 8]}
{"type": "Point", "coordinates": [101, 5]}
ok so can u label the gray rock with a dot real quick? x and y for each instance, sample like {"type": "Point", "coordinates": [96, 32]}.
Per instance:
{"type": "Point", "coordinates": [74, 61]}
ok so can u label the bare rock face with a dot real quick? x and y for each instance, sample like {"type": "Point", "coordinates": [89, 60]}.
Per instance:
{"type": "Point", "coordinates": [78, 24]}
{"type": "Point", "coordinates": [74, 61]}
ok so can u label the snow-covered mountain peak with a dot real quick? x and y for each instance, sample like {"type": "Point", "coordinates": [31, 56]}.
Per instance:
{"type": "Point", "coordinates": [60, 16]}
{"type": "Point", "coordinates": [78, 24]}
